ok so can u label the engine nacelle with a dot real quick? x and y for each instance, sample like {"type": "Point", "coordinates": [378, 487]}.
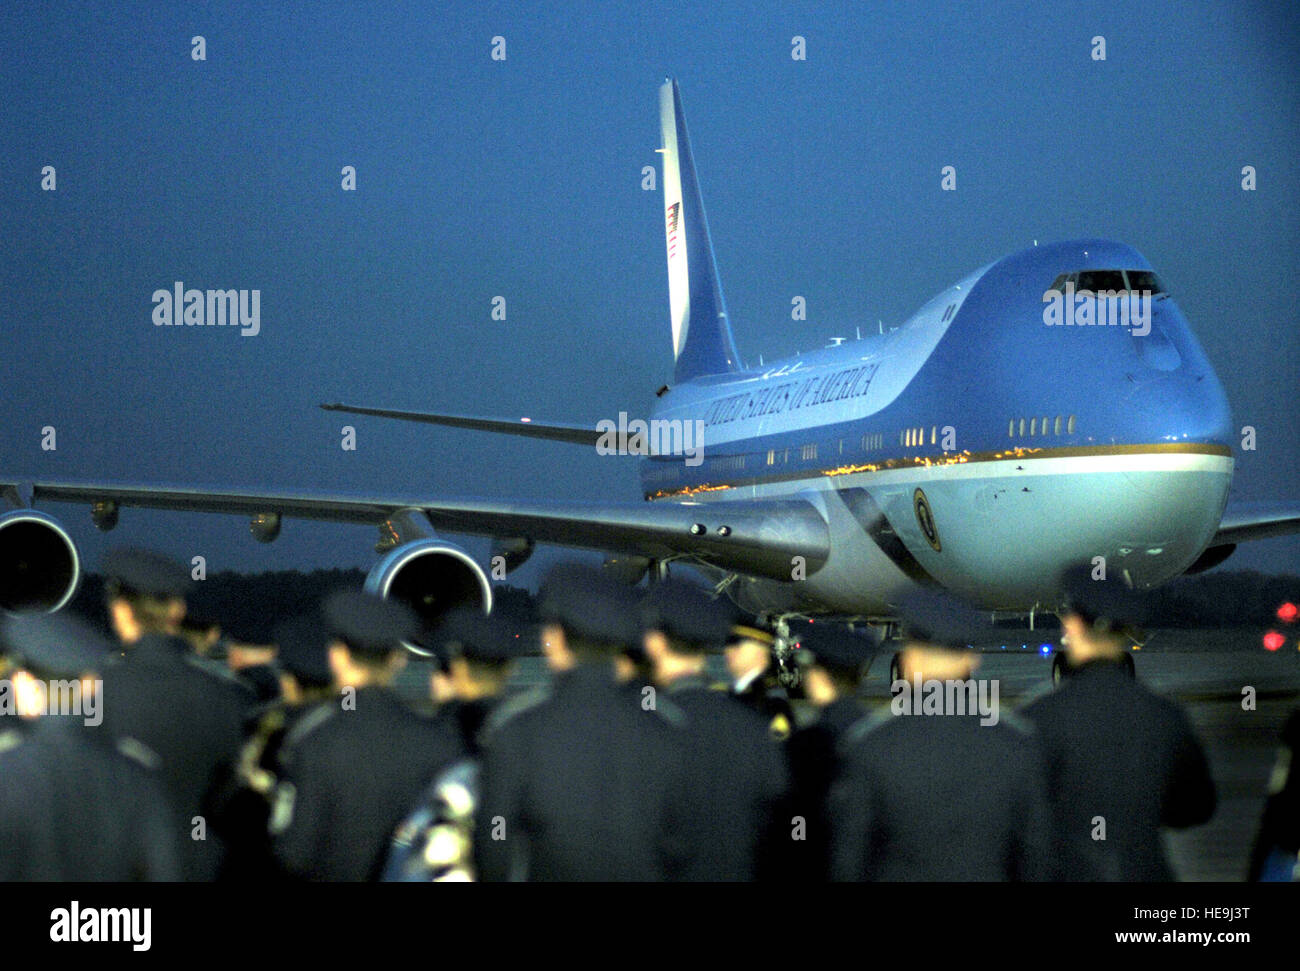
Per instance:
{"type": "Point", "coordinates": [432, 577]}
{"type": "Point", "coordinates": [39, 564]}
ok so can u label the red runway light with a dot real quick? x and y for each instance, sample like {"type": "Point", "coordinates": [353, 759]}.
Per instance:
{"type": "Point", "coordinates": [1273, 640]}
{"type": "Point", "coordinates": [1287, 612]}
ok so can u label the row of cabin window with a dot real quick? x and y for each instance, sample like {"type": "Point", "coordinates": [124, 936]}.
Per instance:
{"type": "Point", "coordinates": [1019, 428]}
{"type": "Point", "coordinates": [911, 437]}
{"type": "Point", "coordinates": [808, 453]}
{"type": "Point", "coordinates": [876, 440]}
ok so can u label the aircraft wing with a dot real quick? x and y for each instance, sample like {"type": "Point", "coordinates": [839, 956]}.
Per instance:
{"type": "Point", "coordinates": [756, 537]}
{"type": "Point", "coordinates": [1257, 520]}
{"type": "Point", "coordinates": [523, 427]}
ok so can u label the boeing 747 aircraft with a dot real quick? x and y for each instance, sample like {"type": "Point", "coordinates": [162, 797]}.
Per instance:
{"type": "Point", "coordinates": [1051, 407]}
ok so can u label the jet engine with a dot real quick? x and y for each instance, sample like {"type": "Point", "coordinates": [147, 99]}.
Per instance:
{"type": "Point", "coordinates": [39, 564]}
{"type": "Point", "coordinates": [432, 577]}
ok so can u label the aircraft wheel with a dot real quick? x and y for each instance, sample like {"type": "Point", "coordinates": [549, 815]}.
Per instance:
{"type": "Point", "coordinates": [895, 670]}
{"type": "Point", "coordinates": [1060, 667]}
{"type": "Point", "coordinates": [1129, 667]}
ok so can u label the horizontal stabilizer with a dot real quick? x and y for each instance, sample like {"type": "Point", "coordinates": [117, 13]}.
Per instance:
{"type": "Point", "coordinates": [523, 427]}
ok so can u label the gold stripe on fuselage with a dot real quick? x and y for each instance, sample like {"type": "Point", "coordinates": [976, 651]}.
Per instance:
{"type": "Point", "coordinates": [952, 458]}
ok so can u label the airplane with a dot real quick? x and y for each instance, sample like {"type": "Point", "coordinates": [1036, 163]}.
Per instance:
{"type": "Point", "coordinates": [976, 447]}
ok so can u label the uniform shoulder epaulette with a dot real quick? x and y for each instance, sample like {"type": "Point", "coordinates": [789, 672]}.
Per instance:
{"type": "Point", "coordinates": [1037, 693]}
{"type": "Point", "coordinates": [321, 713]}
{"type": "Point", "coordinates": [138, 752]}
{"type": "Point", "coordinates": [668, 711]}
{"type": "Point", "coordinates": [864, 726]}
{"type": "Point", "coordinates": [215, 670]}
{"type": "Point", "coordinates": [514, 706]}
{"type": "Point", "coordinates": [1016, 722]}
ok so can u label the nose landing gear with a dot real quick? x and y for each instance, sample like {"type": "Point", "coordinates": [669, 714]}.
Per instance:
{"type": "Point", "coordinates": [787, 671]}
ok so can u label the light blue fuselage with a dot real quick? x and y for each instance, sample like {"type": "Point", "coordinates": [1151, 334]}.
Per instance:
{"type": "Point", "coordinates": [912, 445]}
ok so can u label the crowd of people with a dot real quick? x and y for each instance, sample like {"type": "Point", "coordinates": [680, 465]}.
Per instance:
{"type": "Point", "coordinates": [137, 756]}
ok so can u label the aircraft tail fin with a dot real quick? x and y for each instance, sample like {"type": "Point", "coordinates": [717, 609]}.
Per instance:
{"type": "Point", "coordinates": [702, 339]}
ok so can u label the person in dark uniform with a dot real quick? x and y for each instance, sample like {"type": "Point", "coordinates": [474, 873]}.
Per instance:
{"type": "Point", "coordinates": [632, 667]}
{"type": "Point", "coordinates": [435, 842]}
{"type": "Point", "coordinates": [736, 776]}
{"type": "Point", "coordinates": [73, 807]}
{"type": "Point", "coordinates": [1276, 854]}
{"type": "Point", "coordinates": [203, 633]}
{"type": "Point", "coordinates": [576, 782]}
{"type": "Point", "coordinates": [440, 689]}
{"type": "Point", "coordinates": [304, 680]}
{"type": "Point", "coordinates": [749, 658]}
{"type": "Point", "coordinates": [1121, 761]}
{"type": "Point", "coordinates": [947, 788]}
{"type": "Point", "coordinates": [831, 659]}
{"type": "Point", "coordinates": [12, 726]}
{"type": "Point", "coordinates": [480, 656]}
{"type": "Point", "coordinates": [187, 711]}
{"type": "Point", "coordinates": [302, 657]}
{"type": "Point", "coordinates": [355, 766]}
{"type": "Point", "coordinates": [250, 649]}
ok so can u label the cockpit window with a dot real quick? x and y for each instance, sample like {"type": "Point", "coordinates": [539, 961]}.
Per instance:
{"type": "Point", "coordinates": [1117, 280]}
{"type": "Point", "coordinates": [1144, 280]}
{"type": "Point", "coordinates": [1096, 280]}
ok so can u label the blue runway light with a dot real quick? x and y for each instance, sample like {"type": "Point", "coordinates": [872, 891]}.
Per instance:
{"type": "Point", "coordinates": [1045, 648]}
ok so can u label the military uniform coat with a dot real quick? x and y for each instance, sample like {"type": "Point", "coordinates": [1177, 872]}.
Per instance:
{"type": "Point", "coordinates": [578, 784]}
{"type": "Point", "coordinates": [1119, 754]}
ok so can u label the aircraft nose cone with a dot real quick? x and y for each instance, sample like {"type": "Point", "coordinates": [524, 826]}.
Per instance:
{"type": "Point", "coordinates": [1180, 406]}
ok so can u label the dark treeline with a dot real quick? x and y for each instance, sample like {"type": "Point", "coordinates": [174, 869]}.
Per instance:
{"type": "Point", "coordinates": [1237, 598]}
{"type": "Point", "coordinates": [258, 602]}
